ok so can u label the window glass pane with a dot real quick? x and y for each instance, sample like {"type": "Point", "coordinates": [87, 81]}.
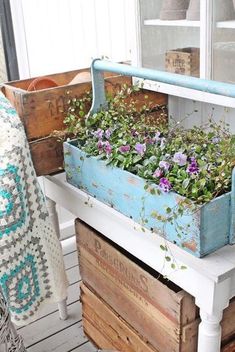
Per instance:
{"type": "Point", "coordinates": [170, 37]}
{"type": "Point", "coordinates": [223, 61]}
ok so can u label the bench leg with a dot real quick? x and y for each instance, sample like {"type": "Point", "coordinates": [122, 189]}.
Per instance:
{"type": "Point", "coordinates": [51, 207]}
{"type": "Point", "coordinates": [209, 333]}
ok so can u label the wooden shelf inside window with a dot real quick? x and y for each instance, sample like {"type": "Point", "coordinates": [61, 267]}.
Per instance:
{"type": "Point", "coordinates": [226, 24]}
{"type": "Point", "coordinates": [178, 23]}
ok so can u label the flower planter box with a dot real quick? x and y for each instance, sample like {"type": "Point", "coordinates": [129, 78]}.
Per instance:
{"type": "Point", "coordinates": [205, 230]}
{"type": "Point", "coordinates": [129, 307]}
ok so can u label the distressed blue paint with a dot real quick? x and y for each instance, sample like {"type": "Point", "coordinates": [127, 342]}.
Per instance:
{"type": "Point", "coordinates": [206, 230]}
{"type": "Point", "coordinates": [97, 66]}
{"type": "Point", "coordinates": [232, 227]}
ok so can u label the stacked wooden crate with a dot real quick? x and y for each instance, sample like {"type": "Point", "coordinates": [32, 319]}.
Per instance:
{"type": "Point", "coordinates": [43, 111]}
{"type": "Point", "coordinates": [129, 307]}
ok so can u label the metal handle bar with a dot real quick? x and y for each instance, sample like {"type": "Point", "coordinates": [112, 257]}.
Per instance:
{"type": "Point", "coordinates": [98, 66]}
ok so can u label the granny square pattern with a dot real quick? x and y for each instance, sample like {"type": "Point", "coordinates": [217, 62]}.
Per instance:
{"type": "Point", "coordinates": [31, 262]}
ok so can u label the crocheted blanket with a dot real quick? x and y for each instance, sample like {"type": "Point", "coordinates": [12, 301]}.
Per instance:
{"type": "Point", "coordinates": [31, 263]}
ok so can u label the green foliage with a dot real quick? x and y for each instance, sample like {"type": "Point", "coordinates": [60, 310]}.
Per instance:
{"type": "Point", "coordinates": [115, 133]}
{"type": "Point", "coordinates": [195, 163]}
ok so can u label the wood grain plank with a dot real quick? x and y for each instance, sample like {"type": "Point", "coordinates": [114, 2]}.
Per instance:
{"type": "Point", "coordinates": [229, 347]}
{"type": "Point", "coordinates": [73, 275]}
{"type": "Point", "coordinates": [71, 260]}
{"type": "Point", "coordinates": [106, 322]}
{"type": "Point", "coordinates": [69, 245]}
{"type": "Point", "coordinates": [49, 325]}
{"type": "Point", "coordinates": [63, 341]}
{"type": "Point", "coordinates": [86, 347]}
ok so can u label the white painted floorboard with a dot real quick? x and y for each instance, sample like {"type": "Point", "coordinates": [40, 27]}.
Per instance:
{"type": "Point", "coordinates": [50, 334]}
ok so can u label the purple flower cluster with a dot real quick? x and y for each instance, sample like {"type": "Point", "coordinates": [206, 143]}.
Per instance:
{"type": "Point", "coordinates": [104, 147]}
{"type": "Point", "coordinates": [193, 168]}
{"type": "Point", "coordinates": [164, 165]}
{"type": "Point", "coordinates": [134, 133]}
{"type": "Point", "coordinates": [165, 184]}
{"type": "Point", "coordinates": [180, 159]}
{"type": "Point", "coordinates": [99, 133]}
{"type": "Point", "coordinates": [158, 173]}
{"type": "Point", "coordinates": [124, 148]}
{"type": "Point", "coordinates": [140, 148]}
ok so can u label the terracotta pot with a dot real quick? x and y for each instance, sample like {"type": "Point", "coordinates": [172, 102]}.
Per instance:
{"type": "Point", "coordinates": [174, 9]}
{"type": "Point", "coordinates": [224, 10]}
{"type": "Point", "coordinates": [193, 13]}
{"type": "Point", "coordinates": [81, 78]}
{"type": "Point", "coordinates": [41, 83]}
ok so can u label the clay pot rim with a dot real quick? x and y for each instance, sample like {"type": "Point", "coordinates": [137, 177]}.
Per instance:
{"type": "Point", "coordinates": [49, 83]}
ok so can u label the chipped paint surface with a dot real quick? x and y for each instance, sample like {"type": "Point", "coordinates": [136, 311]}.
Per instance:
{"type": "Point", "coordinates": [191, 245]}
{"type": "Point", "coordinates": [133, 181]}
{"type": "Point", "coordinates": [110, 192]}
{"type": "Point", "coordinates": [200, 232]}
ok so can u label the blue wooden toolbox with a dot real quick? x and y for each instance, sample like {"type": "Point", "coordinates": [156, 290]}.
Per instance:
{"type": "Point", "coordinates": [208, 229]}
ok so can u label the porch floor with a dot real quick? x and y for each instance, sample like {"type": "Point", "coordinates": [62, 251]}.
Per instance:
{"type": "Point", "coordinates": [48, 333]}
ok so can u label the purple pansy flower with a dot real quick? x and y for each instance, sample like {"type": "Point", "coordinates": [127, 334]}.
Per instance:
{"type": "Point", "coordinates": [107, 148]}
{"type": "Point", "coordinates": [164, 165]}
{"type": "Point", "coordinates": [216, 140]}
{"type": "Point", "coordinates": [99, 133]}
{"type": "Point", "coordinates": [140, 148]}
{"type": "Point", "coordinates": [134, 133]}
{"type": "Point", "coordinates": [165, 184]}
{"type": "Point", "coordinates": [124, 148]}
{"type": "Point", "coordinates": [193, 168]}
{"type": "Point", "coordinates": [108, 133]}
{"type": "Point", "coordinates": [180, 159]}
{"type": "Point", "coordinates": [158, 173]}
{"type": "Point", "coordinates": [100, 145]}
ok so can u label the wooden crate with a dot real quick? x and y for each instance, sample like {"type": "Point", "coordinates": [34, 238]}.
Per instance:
{"type": "Point", "coordinates": [106, 328]}
{"type": "Point", "coordinates": [47, 155]}
{"type": "Point", "coordinates": [43, 111]}
{"type": "Point", "coordinates": [164, 316]}
{"type": "Point", "coordinates": [185, 61]}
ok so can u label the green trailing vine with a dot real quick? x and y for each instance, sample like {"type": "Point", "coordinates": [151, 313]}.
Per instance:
{"type": "Point", "coordinates": [195, 163]}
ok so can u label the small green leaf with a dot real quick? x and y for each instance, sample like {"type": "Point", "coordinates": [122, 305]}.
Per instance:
{"type": "Point", "coordinates": [164, 248]}
{"type": "Point", "coordinates": [168, 259]}
{"type": "Point", "coordinates": [168, 210]}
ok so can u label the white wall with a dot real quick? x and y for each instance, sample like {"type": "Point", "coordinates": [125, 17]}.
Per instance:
{"type": "Point", "coordinates": [62, 35]}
